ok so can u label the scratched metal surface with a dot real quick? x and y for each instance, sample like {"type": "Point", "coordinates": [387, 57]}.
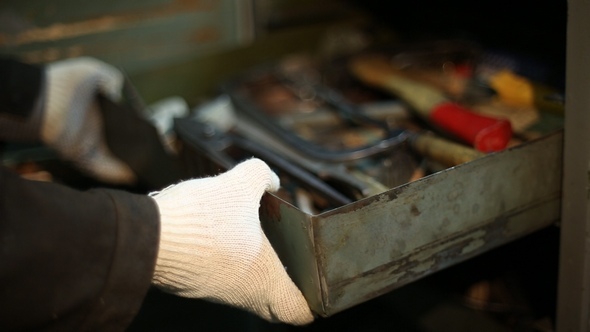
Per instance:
{"type": "Point", "coordinates": [354, 253]}
{"type": "Point", "coordinates": [134, 35]}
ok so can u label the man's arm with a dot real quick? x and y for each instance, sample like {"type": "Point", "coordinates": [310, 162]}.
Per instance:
{"type": "Point", "coordinates": [72, 260]}
{"type": "Point", "coordinates": [21, 87]}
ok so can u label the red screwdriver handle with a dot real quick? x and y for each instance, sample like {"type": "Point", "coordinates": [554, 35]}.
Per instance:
{"type": "Point", "coordinates": [484, 133]}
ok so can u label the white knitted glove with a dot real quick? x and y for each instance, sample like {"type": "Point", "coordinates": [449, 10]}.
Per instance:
{"type": "Point", "coordinates": [72, 124]}
{"type": "Point", "coordinates": [212, 245]}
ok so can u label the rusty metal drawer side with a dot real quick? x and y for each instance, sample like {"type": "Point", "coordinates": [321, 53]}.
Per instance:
{"type": "Point", "coordinates": [352, 254]}
{"type": "Point", "coordinates": [373, 246]}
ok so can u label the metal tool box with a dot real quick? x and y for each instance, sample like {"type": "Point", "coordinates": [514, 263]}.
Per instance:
{"type": "Point", "coordinates": [353, 253]}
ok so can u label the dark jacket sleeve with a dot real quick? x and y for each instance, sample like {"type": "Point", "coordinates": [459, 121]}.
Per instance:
{"type": "Point", "coordinates": [21, 87]}
{"type": "Point", "coordinates": [73, 260]}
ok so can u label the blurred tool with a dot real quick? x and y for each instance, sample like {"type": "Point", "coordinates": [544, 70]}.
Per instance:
{"type": "Point", "coordinates": [494, 60]}
{"type": "Point", "coordinates": [516, 90]}
{"type": "Point", "coordinates": [352, 181]}
{"type": "Point", "coordinates": [519, 81]}
{"type": "Point", "coordinates": [486, 134]}
{"type": "Point", "coordinates": [447, 65]}
{"type": "Point", "coordinates": [444, 152]}
{"type": "Point", "coordinates": [428, 145]}
{"type": "Point", "coordinates": [391, 138]}
{"type": "Point", "coordinates": [332, 165]}
{"type": "Point", "coordinates": [212, 135]}
{"type": "Point", "coordinates": [162, 114]}
{"type": "Point", "coordinates": [521, 118]}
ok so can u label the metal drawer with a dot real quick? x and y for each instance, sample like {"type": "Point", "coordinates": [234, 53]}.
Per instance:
{"type": "Point", "coordinates": [351, 254]}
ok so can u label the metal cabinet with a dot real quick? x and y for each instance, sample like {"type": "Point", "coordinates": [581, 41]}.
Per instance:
{"type": "Point", "coordinates": [574, 273]}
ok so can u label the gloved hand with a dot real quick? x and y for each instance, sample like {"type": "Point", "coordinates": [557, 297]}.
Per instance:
{"type": "Point", "coordinates": [212, 245]}
{"type": "Point", "coordinates": [72, 124]}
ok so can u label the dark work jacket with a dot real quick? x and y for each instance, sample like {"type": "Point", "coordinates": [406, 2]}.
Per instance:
{"type": "Point", "coordinates": [70, 260]}
{"type": "Point", "coordinates": [73, 260]}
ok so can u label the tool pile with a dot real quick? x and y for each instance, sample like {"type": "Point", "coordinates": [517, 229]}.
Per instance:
{"type": "Point", "coordinates": [342, 130]}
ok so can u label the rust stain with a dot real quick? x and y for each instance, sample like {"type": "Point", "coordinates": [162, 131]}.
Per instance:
{"type": "Point", "coordinates": [393, 194]}
{"type": "Point", "coordinates": [270, 208]}
{"type": "Point", "coordinates": [455, 193]}
{"type": "Point", "coordinates": [206, 34]}
{"type": "Point", "coordinates": [401, 244]}
{"type": "Point", "coordinates": [474, 245]}
{"type": "Point", "coordinates": [52, 54]}
{"type": "Point", "coordinates": [433, 257]}
{"type": "Point", "coordinates": [101, 24]}
{"type": "Point", "coordinates": [67, 30]}
{"type": "Point", "coordinates": [414, 210]}
{"type": "Point", "coordinates": [201, 4]}
{"type": "Point", "coordinates": [404, 223]}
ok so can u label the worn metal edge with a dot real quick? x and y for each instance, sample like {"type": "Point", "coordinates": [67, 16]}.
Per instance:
{"type": "Point", "coordinates": [290, 232]}
{"type": "Point", "coordinates": [550, 144]}
{"type": "Point", "coordinates": [410, 268]}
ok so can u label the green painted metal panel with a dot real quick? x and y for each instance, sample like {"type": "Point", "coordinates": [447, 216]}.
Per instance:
{"type": "Point", "coordinates": [135, 35]}
{"type": "Point", "coordinates": [45, 13]}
